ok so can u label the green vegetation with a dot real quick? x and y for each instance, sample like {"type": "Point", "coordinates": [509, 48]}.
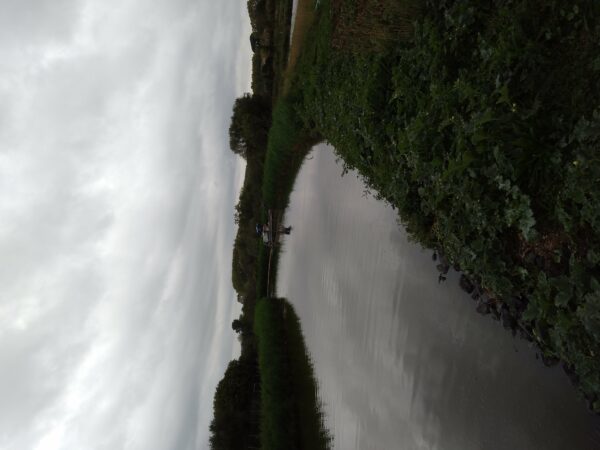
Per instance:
{"type": "Point", "coordinates": [290, 417]}
{"type": "Point", "coordinates": [287, 147]}
{"type": "Point", "coordinates": [274, 146]}
{"type": "Point", "coordinates": [249, 126]}
{"type": "Point", "coordinates": [478, 122]}
{"type": "Point", "coordinates": [270, 38]}
{"type": "Point", "coordinates": [236, 404]}
{"type": "Point", "coordinates": [483, 131]}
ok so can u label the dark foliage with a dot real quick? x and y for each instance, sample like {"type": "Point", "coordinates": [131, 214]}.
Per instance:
{"type": "Point", "coordinates": [235, 422]}
{"type": "Point", "coordinates": [483, 131]}
{"type": "Point", "coordinates": [291, 418]}
{"type": "Point", "coordinates": [249, 125]}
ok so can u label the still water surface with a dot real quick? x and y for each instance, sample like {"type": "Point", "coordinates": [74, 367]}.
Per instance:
{"type": "Point", "coordinates": [402, 361]}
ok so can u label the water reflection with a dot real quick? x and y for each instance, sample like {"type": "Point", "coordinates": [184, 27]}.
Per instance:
{"type": "Point", "coordinates": [403, 362]}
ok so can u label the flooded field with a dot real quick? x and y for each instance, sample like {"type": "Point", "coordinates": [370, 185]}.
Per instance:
{"type": "Point", "coordinates": [402, 361]}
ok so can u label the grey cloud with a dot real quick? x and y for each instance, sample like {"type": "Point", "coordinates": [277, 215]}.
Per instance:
{"type": "Point", "coordinates": [116, 205]}
{"type": "Point", "coordinates": [26, 22]}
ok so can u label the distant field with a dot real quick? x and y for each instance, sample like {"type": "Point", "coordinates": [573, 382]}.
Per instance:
{"type": "Point", "coordinates": [305, 14]}
{"type": "Point", "coordinates": [281, 42]}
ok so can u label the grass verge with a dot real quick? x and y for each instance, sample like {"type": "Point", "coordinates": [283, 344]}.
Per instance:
{"type": "Point", "coordinates": [290, 410]}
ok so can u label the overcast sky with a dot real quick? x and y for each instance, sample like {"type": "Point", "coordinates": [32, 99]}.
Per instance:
{"type": "Point", "coordinates": [117, 190]}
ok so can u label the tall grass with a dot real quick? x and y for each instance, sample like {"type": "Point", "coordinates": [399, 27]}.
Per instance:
{"type": "Point", "coordinates": [372, 24]}
{"type": "Point", "coordinates": [287, 146]}
{"type": "Point", "coordinates": [313, 433]}
{"type": "Point", "coordinates": [278, 426]}
{"type": "Point", "coordinates": [290, 412]}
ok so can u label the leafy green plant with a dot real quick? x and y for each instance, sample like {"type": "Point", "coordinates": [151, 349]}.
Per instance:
{"type": "Point", "coordinates": [483, 131]}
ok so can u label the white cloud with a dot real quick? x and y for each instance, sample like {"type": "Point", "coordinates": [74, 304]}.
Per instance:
{"type": "Point", "coordinates": [116, 208]}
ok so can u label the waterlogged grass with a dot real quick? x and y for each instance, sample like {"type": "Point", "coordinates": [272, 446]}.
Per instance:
{"type": "Point", "coordinates": [290, 411]}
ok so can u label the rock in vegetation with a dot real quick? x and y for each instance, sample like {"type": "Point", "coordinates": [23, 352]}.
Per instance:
{"type": "Point", "coordinates": [466, 285]}
{"type": "Point", "coordinates": [483, 307]}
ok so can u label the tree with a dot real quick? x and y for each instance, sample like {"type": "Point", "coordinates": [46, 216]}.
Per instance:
{"type": "Point", "coordinates": [254, 41]}
{"type": "Point", "coordinates": [257, 13]}
{"type": "Point", "coordinates": [235, 407]}
{"type": "Point", "coordinates": [238, 326]}
{"type": "Point", "coordinates": [249, 125]}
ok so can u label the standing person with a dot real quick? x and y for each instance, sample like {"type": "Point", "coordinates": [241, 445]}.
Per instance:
{"type": "Point", "coordinates": [265, 234]}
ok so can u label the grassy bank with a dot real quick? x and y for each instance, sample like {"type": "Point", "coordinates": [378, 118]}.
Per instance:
{"type": "Point", "coordinates": [287, 147]}
{"type": "Point", "coordinates": [290, 413]}
{"type": "Point", "coordinates": [482, 129]}
{"type": "Point", "coordinates": [283, 159]}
